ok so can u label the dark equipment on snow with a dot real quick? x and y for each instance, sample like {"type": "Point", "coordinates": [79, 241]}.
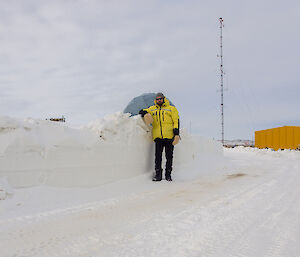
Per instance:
{"type": "Point", "coordinates": [62, 119]}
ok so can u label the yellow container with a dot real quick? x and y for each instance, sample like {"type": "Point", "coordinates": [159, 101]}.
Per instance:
{"type": "Point", "coordinates": [287, 137]}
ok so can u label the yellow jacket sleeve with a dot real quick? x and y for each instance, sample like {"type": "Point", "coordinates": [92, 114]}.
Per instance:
{"type": "Point", "coordinates": [175, 118]}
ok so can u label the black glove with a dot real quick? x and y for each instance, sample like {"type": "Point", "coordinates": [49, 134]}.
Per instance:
{"type": "Point", "coordinates": [143, 112]}
{"type": "Point", "coordinates": [176, 131]}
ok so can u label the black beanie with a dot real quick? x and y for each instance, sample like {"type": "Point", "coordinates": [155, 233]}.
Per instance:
{"type": "Point", "coordinates": [159, 95]}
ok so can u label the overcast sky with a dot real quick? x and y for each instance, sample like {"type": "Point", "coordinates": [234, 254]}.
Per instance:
{"type": "Point", "coordinates": [86, 59]}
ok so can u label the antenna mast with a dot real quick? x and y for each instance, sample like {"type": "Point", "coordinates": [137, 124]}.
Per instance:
{"type": "Point", "coordinates": [222, 75]}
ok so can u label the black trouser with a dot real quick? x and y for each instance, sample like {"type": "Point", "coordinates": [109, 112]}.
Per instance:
{"type": "Point", "coordinates": [160, 144]}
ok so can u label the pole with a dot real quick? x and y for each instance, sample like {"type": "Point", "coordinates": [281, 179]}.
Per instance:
{"type": "Point", "coordinates": [222, 76]}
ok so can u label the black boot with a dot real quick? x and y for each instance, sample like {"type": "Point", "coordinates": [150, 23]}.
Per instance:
{"type": "Point", "coordinates": [168, 176]}
{"type": "Point", "coordinates": [158, 175]}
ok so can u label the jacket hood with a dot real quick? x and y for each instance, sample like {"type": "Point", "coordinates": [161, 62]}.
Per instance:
{"type": "Point", "coordinates": [166, 102]}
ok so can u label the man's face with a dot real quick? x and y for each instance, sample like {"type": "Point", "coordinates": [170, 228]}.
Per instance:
{"type": "Point", "coordinates": [159, 100]}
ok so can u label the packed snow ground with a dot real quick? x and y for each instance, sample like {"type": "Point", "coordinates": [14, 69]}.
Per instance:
{"type": "Point", "coordinates": [246, 204]}
{"type": "Point", "coordinates": [250, 207]}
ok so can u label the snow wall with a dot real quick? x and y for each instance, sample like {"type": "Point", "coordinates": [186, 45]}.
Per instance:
{"type": "Point", "coordinates": [35, 152]}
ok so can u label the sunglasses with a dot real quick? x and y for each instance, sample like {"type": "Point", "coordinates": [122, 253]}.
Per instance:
{"type": "Point", "coordinates": [161, 98]}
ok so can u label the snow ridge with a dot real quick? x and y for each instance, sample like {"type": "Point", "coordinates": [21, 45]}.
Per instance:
{"type": "Point", "coordinates": [36, 152]}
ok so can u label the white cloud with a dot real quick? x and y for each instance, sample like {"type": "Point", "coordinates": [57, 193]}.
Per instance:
{"type": "Point", "coordinates": [84, 59]}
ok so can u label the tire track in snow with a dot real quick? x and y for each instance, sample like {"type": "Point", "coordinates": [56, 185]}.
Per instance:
{"type": "Point", "coordinates": [258, 238]}
{"type": "Point", "coordinates": [233, 239]}
{"type": "Point", "coordinates": [40, 231]}
{"type": "Point", "coordinates": [184, 221]}
{"type": "Point", "coordinates": [221, 219]}
{"type": "Point", "coordinates": [44, 229]}
{"type": "Point", "coordinates": [285, 225]}
{"type": "Point", "coordinates": [93, 215]}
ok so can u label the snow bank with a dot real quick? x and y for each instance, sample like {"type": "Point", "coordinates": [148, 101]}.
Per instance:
{"type": "Point", "coordinates": [34, 152]}
{"type": "Point", "coordinates": [268, 153]}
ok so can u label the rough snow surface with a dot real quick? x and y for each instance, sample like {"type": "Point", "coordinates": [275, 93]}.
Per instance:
{"type": "Point", "coordinates": [247, 207]}
{"type": "Point", "coordinates": [38, 152]}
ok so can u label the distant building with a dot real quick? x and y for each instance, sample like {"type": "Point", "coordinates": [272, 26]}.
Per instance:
{"type": "Point", "coordinates": [287, 137]}
{"type": "Point", "coordinates": [237, 142]}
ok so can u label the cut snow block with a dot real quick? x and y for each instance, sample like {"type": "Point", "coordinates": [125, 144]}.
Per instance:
{"type": "Point", "coordinates": [109, 150]}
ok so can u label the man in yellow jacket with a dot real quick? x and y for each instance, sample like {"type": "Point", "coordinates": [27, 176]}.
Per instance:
{"type": "Point", "coordinates": [165, 132]}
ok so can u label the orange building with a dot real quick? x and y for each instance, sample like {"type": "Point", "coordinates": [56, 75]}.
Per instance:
{"type": "Point", "coordinates": [287, 137]}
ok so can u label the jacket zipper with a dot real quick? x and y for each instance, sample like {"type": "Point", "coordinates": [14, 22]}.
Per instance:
{"type": "Point", "coordinates": [160, 124]}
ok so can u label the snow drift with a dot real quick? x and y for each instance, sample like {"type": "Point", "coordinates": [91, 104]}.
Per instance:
{"type": "Point", "coordinates": [34, 152]}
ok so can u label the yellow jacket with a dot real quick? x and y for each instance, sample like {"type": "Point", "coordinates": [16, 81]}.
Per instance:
{"type": "Point", "coordinates": [165, 120]}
